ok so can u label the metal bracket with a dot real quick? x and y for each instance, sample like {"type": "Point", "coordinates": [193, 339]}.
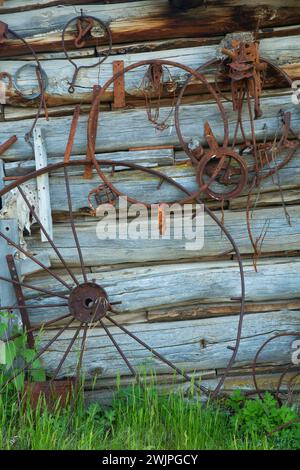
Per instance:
{"type": "Point", "coordinates": [20, 299]}
{"type": "Point", "coordinates": [119, 85]}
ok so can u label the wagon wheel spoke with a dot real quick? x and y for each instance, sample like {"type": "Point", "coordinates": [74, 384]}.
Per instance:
{"type": "Point", "coordinates": [18, 306]}
{"type": "Point", "coordinates": [38, 355]}
{"type": "Point", "coordinates": [67, 182]}
{"type": "Point", "coordinates": [82, 349]}
{"type": "Point", "coordinates": [34, 259]}
{"type": "Point", "coordinates": [66, 353]}
{"type": "Point", "coordinates": [38, 327]}
{"type": "Point", "coordinates": [155, 353]}
{"type": "Point", "coordinates": [118, 348]}
{"type": "Point", "coordinates": [29, 286]}
{"type": "Point", "coordinates": [33, 212]}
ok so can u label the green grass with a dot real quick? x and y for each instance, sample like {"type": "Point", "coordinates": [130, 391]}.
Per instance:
{"type": "Point", "coordinates": [138, 419]}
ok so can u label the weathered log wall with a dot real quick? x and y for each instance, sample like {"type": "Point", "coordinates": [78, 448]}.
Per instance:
{"type": "Point", "coordinates": [177, 300]}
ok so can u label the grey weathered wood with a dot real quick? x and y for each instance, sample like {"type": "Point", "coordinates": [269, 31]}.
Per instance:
{"type": "Point", "coordinates": [281, 237]}
{"type": "Point", "coordinates": [189, 283]}
{"type": "Point", "coordinates": [157, 17]}
{"type": "Point", "coordinates": [42, 182]}
{"type": "Point", "coordinates": [2, 174]}
{"type": "Point", "coordinates": [180, 342]}
{"type": "Point", "coordinates": [148, 158]}
{"type": "Point", "coordinates": [131, 128]}
{"type": "Point", "coordinates": [283, 51]}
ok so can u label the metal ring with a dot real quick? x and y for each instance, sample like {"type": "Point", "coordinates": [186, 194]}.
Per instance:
{"type": "Point", "coordinates": [16, 76]}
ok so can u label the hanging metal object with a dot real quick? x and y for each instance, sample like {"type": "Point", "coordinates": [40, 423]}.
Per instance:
{"type": "Point", "coordinates": [152, 86]}
{"type": "Point", "coordinates": [5, 33]}
{"type": "Point", "coordinates": [85, 24]}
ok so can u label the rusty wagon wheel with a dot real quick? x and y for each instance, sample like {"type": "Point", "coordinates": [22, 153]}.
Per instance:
{"type": "Point", "coordinates": [78, 299]}
{"type": "Point", "coordinates": [267, 165]}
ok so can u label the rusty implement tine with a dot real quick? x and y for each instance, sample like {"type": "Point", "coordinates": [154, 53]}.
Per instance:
{"type": "Point", "coordinates": [72, 134]}
{"type": "Point", "coordinates": [92, 130]}
{"type": "Point", "coordinates": [7, 144]}
{"type": "Point", "coordinates": [211, 140]}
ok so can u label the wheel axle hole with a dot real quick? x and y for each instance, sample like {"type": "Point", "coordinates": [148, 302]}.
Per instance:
{"type": "Point", "coordinates": [88, 303]}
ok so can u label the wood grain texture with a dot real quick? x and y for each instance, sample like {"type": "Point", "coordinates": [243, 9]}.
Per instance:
{"type": "Point", "coordinates": [42, 27]}
{"type": "Point", "coordinates": [190, 283]}
{"type": "Point", "coordinates": [132, 129]}
{"type": "Point", "coordinates": [281, 237]}
{"type": "Point", "coordinates": [180, 342]}
{"type": "Point", "coordinates": [284, 52]}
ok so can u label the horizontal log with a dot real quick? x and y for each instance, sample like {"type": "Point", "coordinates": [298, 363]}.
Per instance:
{"type": "Point", "coordinates": [291, 196]}
{"type": "Point", "coordinates": [105, 389]}
{"type": "Point", "coordinates": [215, 310]}
{"type": "Point", "coordinates": [159, 19]}
{"type": "Point", "coordinates": [284, 52]}
{"type": "Point", "coordinates": [148, 158]}
{"type": "Point", "coordinates": [280, 237]}
{"type": "Point", "coordinates": [191, 345]}
{"type": "Point", "coordinates": [121, 130]}
{"type": "Point", "coordinates": [165, 286]}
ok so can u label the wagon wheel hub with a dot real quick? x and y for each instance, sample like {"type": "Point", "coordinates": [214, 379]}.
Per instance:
{"type": "Point", "coordinates": [88, 302]}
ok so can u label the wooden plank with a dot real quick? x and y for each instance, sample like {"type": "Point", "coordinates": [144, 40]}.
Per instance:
{"type": "Point", "coordinates": [191, 283]}
{"type": "Point", "coordinates": [148, 158]}
{"type": "Point", "coordinates": [43, 27]}
{"type": "Point", "coordinates": [215, 310]}
{"type": "Point", "coordinates": [132, 129]}
{"type": "Point", "coordinates": [191, 345]}
{"type": "Point", "coordinates": [281, 237]}
{"type": "Point", "coordinates": [284, 52]}
{"type": "Point", "coordinates": [42, 182]}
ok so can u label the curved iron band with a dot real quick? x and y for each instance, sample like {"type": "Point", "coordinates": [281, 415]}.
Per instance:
{"type": "Point", "coordinates": [211, 63]}
{"type": "Point", "coordinates": [28, 135]}
{"type": "Point", "coordinates": [196, 74]}
{"type": "Point", "coordinates": [160, 175]}
{"type": "Point", "coordinates": [33, 96]}
{"type": "Point", "coordinates": [105, 27]}
{"type": "Point", "coordinates": [254, 364]}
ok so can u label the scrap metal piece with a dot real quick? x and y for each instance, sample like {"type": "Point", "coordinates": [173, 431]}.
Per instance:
{"type": "Point", "coordinates": [119, 85]}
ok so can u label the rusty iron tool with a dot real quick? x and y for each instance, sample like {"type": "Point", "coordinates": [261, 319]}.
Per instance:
{"type": "Point", "coordinates": [3, 32]}
{"type": "Point", "coordinates": [92, 130]}
{"type": "Point", "coordinates": [84, 26]}
{"type": "Point", "coordinates": [7, 144]}
{"type": "Point", "coordinates": [72, 133]}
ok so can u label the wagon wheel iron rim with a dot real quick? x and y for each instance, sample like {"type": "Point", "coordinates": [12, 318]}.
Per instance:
{"type": "Point", "coordinates": [98, 308]}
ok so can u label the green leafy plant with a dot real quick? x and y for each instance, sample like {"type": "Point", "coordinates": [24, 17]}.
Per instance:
{"type": "Point", "coordinates": [262, 417]}
{"type": "Point", "coordinates": [17, 355]}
